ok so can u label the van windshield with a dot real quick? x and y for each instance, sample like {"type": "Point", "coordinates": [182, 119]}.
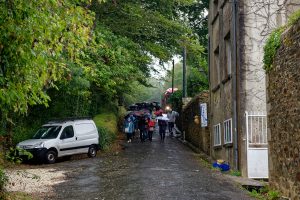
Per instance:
{"type": "Point", "coordinates": [47, 132]}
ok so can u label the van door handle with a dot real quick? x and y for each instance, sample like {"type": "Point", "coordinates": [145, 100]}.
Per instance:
{"type": "Point", "coordinates": [76, 138]}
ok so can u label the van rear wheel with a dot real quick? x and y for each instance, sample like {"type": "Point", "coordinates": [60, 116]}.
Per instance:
{"type": "Point", "coordinates": [51, 157]}
{"type": "Point", "coordinates": [92, 151]}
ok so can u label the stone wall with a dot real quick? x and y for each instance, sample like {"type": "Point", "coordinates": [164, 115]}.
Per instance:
{"type": "Point", "coordinates": [196, 135]}
{"type": "Point", "coordinates": [283, 98]}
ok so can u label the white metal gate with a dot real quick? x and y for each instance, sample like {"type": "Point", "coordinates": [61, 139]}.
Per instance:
{"type": "Point", "coordinates": [257, 145]}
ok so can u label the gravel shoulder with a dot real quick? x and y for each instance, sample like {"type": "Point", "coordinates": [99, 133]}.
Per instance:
{"type": "Point", "coordinates": [39, 181]}
{"type": "Point", "coordinates": [35, 181]}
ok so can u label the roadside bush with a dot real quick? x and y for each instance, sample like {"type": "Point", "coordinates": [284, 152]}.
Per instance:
{"type": "Point", "coordinates": [13, 155]}
{"type": "Point", "coordinates": [22, 133]}
{"type": "Point", "coordinates": [120, 118]}
{"type": "Point", "coordinates": [3, 179]}
{"type": "Point", "coordinates": [106, 122]}
{"type": "Point", "coordinates": [106, 137]}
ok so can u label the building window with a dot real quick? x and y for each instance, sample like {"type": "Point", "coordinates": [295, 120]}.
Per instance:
{"type": "Point", "coordinates": [227, 56]}
{"type": "Point", "coordinates": [227, 131]}
{"type": "Point", "coordinates": [216, 71]}
{"type": "Point", "coordinates": [217, 135]}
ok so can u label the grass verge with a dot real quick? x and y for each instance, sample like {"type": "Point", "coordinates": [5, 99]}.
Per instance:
{"type": "Point", "coordinates": [107, 124]}
{"type": "Point", "coordinates": [265, 193]}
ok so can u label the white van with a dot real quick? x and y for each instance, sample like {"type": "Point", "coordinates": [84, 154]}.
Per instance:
{"type": "Point", "coordinates": [63, 138]}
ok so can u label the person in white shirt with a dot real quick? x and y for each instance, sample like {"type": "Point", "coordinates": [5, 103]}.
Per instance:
{"type": "Point", "coordinates": [172, 118]}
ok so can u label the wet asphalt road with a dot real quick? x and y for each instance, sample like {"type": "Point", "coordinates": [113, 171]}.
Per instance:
{"type": "Point", "coordinates": [147, 170]}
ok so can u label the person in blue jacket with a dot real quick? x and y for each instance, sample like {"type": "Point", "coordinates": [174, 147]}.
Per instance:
{"type": "Point", "coordinates": [129, 127]}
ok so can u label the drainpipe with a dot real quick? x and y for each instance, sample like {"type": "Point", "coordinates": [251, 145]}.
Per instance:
{"type": "Point", "coordinates": [210, 101]}
{"type": "Point", "coordinates": [234, 84]}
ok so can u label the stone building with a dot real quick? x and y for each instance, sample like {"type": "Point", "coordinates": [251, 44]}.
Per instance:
{"type": "Point", "coordinates": [238, 30]}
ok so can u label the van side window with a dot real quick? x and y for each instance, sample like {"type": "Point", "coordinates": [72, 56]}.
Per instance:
{"type": "Point", "coordinates": [68, 132]}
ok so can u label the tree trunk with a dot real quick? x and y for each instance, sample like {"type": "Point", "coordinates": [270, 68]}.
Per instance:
{"type": "Point", "coordinates": [9, 134]}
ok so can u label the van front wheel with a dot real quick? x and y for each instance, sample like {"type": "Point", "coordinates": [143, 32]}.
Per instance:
{"type": "Point", "coordinates": [51, 157]}
{"type": "Point", "coordinates": [92, 151]}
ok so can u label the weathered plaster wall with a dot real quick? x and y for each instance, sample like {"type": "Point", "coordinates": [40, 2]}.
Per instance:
{"type": "Point", "coordinates": [257, 20]}
{"type": "Point", "coordinates": [194, 133]}
{"type": "Point", "coordinates": [284, 116]}
{"type": "Point", "coordinates": [260, 19]}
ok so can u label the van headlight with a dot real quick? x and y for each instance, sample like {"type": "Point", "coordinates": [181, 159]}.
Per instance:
{"type": "Point", "coordinates": [39, 145]}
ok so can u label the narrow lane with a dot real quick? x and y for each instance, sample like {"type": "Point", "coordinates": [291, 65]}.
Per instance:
{"type": "Point", "coordinates": [147, 170]}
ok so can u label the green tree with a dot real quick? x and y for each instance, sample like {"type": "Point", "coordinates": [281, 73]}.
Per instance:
{"type": "Point", "coordinates": [77, 56]}
{"type": "Point", "coordinates": [38, 42]}
{"type": "Point", "coordinates": [141, 30]}
{"type": "Point", "coordinates": [154, 25]}
{"type": "Point", "coordinates": [196, 15]}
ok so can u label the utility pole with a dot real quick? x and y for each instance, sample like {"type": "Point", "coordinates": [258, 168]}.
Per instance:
{"type": "Point", "coordinates": [173, 77]}
{"type": "Point", "coordinates": [184, 82]}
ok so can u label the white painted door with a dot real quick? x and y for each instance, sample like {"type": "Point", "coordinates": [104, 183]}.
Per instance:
{"type": "Point", "coordinates": [257, 146]}
{"type": "Point", "coordinates": [258, 163]}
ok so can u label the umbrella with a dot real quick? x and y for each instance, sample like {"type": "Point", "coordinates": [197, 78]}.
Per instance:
{"type": "Point", "coordinates": [162, 118]}
{"type": "Point", "coordinates": [169, 90]}
{"type": "Point", "coordinates": [159, 112]}
{"type": "Point", "coordinates": [137, 113]}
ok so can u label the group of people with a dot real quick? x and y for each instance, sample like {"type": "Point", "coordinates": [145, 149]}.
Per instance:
{"type": "Point", "coordinates": [146, 124]}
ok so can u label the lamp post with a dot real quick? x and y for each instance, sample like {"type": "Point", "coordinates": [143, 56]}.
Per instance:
{"type": "Point", "coordinates": [173, 77]}
{"type": "Point", "coordinates": [184, 81]}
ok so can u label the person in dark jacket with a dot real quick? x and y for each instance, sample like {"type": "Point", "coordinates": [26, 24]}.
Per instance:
{"type": "Point", "coordinates": [162, 124]}
{"type": "Point", "coordinates": [143, 124]}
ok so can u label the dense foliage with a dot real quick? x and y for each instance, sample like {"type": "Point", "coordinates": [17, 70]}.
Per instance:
{"type": "Point", "coordinates": [71, 58]}
{"type": "Point", "coordinates": [142, 93]}
{"type": "Point", "coordinates": [176, 101]}
{"type": "Point", "coordinates": [196, 15]}
{"type": "Point", "coordinates": [197, 78]}
{"type": "Point", "coordinates": [39, 40]}
{"type": "Point", "coordinates": [197, 67]}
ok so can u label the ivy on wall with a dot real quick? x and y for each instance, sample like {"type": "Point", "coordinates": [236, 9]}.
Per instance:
{"type": "Point", "coordinates": [274, 41]}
